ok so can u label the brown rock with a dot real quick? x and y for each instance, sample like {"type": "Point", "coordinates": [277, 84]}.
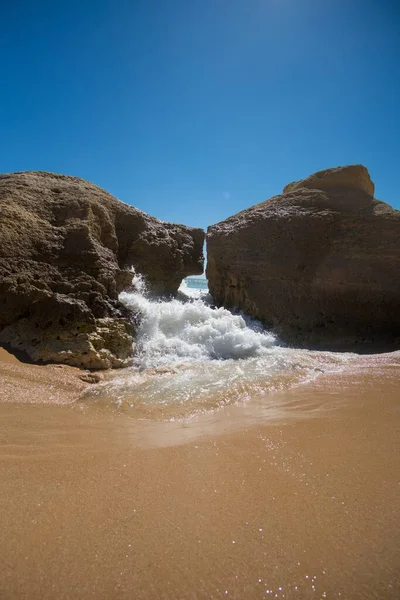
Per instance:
{"type": "Point", "coordinates": [67, 249]}
{"type": "Point", "coordinates": [320, 264]}
{"type": "Point", "coordinates": [352, 177]}
{"type": "Point", "coordinates": [90, 378]}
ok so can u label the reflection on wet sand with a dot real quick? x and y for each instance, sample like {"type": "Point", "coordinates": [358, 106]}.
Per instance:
{"type": "Point", "coordinates": [290, 496]}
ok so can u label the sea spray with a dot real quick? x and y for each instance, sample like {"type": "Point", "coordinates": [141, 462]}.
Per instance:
{"type": "Point", "coordinates": [195, 288]}
{"type": "Point", "coordinates": [190, 330]}
{"type": "Point", "coordinates": [191, 356]}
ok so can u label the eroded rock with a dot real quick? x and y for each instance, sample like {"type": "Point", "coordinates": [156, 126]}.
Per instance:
{"type": "Point", "coordinates": [319, 264]}
{"type": "Point", "coordinates": [67, 249]}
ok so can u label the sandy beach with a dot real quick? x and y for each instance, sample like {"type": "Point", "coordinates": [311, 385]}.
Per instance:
{"type": "Point", "coordinates": [24, 383]}
{"type": "Point", "coordinates": [200, 300]}
{"type": "Point", "coordinates": [97, 505]}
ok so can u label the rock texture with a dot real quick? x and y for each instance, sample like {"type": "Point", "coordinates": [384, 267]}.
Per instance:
{"type": "Point", "coordinates": [320, 264]}
{"type": "Point", "coordinates": [67, 249]}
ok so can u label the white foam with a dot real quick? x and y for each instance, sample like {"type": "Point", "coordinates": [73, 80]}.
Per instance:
{"type": "Point", "coordinates": [176, 330]}
{"type": "Point", "coordinates": [191, 292]}
{"type": "Point", "coordinates": [206, 357]}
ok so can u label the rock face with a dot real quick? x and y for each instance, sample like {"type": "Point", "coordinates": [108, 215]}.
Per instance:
{"type": "Point", "coordinates": [320, 264]}
{"type": "Point", "coordinates": [66, 251]}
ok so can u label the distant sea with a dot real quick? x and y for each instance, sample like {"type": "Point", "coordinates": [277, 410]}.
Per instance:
{"type": "Point", "coordinates": [196, 283]}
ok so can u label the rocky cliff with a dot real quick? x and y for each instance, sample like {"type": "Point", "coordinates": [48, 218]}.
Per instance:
{"type": "Point", "coordinates": [66, 251]}
{"type": "Point", "coordinates": [320, 263]}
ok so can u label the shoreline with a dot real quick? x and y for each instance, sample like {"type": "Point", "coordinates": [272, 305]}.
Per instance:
{"type": "Point", "coordinates": [228, 504]}
{"type": "Point", "coordinates": [26, 383]}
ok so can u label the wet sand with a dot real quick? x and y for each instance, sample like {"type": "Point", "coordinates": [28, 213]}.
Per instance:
{"type": "Point", "coordinates": [230, 505]}
{"type": "Point", "coordinates": [33, 384]}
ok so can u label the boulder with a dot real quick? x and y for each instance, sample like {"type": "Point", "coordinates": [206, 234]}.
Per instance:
{"type": "Point", "coordinates": [319, 264]}
{"type": "Point", "coordinates": [351, 177]}
{"type": "Point", "coordinates": [67, 249]}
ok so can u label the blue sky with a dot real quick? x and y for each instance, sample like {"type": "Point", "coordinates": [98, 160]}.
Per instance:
{"type": "Point", "coordinates": [194, 109]}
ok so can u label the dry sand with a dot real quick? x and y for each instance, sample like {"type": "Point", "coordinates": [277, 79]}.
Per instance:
{"type": "Point", "coordinates": [97, 505]}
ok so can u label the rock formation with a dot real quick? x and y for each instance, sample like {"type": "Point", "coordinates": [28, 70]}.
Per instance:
{"type": "Point", "coordinates": [320, 263]}
{"type": "Point", "coordinates": [67, 248]}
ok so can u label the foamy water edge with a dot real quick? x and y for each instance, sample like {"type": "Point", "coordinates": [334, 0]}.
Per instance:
{"type": "Point", "coordinates": [191, 358]}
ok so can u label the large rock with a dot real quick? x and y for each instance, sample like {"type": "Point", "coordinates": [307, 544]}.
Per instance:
{"type": "Point", "coordinates": [352, 177]}
{"type": "Point", "coordinates": [67, 249]}
{"type": "Point", "coordinates": [320, 264]}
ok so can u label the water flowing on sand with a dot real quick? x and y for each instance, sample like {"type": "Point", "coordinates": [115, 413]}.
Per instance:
{"type": "Point", "coordinates": [193, 357]}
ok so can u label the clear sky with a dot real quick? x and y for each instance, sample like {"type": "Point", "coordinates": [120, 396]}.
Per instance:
{"type": "Point", "coordinates": [194, 109]}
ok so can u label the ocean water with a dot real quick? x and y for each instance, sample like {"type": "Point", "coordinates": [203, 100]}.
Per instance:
{"type": "Point", "coordinates": [191, 357]}
{"type": "Point", "coordinates": [194, 283]}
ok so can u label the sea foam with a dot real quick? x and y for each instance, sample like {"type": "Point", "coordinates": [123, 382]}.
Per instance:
{"type": "Point", "coordinates": [191, 330]}
{"type": "Point", "coordinates": [191, 356]}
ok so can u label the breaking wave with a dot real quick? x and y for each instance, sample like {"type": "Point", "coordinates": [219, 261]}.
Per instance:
{"type": "Point", "coordinates": [191, 357]}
